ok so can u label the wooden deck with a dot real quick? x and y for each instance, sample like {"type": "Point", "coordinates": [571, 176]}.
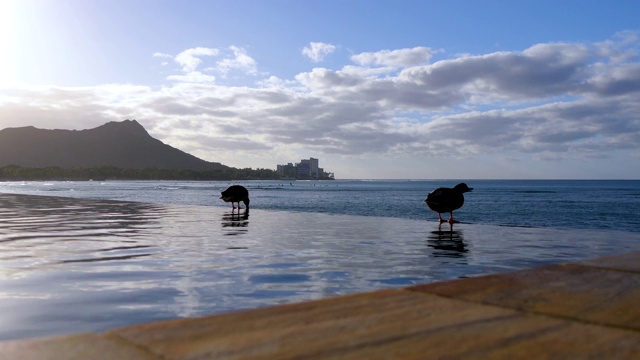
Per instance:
{"type": "Point", "coordinates": [585, 310]}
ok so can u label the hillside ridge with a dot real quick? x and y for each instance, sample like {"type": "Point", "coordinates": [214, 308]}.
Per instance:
{"type": "Point", "coordinates": [125, 144]}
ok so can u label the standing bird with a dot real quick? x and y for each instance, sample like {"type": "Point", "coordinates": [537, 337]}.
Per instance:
{"type": "Point", "coordinates": [235, 194]}
{"type": "Point", "coordinates": [443, 200]}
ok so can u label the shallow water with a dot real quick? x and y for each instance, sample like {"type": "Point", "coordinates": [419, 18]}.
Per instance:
{"type": "Point", "coordinates": [71, 265]}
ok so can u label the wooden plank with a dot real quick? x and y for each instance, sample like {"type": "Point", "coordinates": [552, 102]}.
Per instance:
{"type": "Point", "coordinates": [79, 346]}
{"type": "Point", "coordinates": [385, 324]}
{"type": "Point", "coordinates": [526, 336]}
{"type": "Point", "coordinates": [624, 262]}
{"type": "Point", "coordinates": [325, 326]}
{"type": "Point", "coordinates": [570, 291]}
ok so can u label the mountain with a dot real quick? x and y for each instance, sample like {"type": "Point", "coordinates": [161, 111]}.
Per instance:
{"type": "Point", "coordinates": [123, 144]}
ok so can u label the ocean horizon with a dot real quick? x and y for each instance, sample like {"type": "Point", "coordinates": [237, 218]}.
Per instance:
{"type": "Point", "coordinates": [582, 204]}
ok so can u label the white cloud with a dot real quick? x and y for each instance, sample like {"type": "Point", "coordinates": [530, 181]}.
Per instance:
{"type": "Point", "coordinates": [551, 101]}
{"type": "Point", "coordinates": [162, 55]}
{"type": "Point", "coordinates": [193, 77]}
{"type": "Point", "coordinates": [240, 61]}
{"type": "Point", "coordinates": [395, 58]}
{"type": "Point", "coordinates": [317, 51]}
{"type": "Point", "coordinates": [190, 58]}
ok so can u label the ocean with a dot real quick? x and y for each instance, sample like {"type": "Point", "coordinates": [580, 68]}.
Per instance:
{"type": "Point", "coordinates": [91, 256]}
{"type": "Point", "coordinates": [578, 204]}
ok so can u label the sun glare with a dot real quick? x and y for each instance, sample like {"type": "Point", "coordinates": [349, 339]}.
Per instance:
{"type": "Point", "coordinates": [8, 38]}
{"type": "Point", "coordinates": [37, 40]}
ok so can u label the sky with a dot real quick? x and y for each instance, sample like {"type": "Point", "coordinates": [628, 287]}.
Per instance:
{"type": "Point", "coordinates": [375, 89]}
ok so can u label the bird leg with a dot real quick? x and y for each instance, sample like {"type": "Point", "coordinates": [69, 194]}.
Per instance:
{"type": "Point", "coordinates": [451, 220]}
{"type": "Point", "coordinates": [450, 228]}
{"type": "Point", "coordinates": [441, 219]}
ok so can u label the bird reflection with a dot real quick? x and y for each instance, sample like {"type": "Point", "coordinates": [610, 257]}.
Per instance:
{"type": "Point", "coordinates": [235, 223]}
{"type": "Point", "coordinates": [447, 243]}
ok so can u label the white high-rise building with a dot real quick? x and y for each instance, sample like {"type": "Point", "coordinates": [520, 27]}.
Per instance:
{"type": "Point", "coordinates": [313, 169]}
{"type": "Point", "coordinates": [306, 169]}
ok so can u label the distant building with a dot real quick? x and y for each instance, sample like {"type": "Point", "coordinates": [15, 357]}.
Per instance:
{"type": "Point", "coordinates": [306, 169]}
{"type": "Point", "coordinates": [288, 171]}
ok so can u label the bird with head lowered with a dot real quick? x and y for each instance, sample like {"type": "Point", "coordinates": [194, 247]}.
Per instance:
{"type": "Point", "coordinates": [235, 194]}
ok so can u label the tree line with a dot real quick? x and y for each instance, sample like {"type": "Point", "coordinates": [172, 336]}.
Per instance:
{"type": "Point", "coordinates": [18, 173]}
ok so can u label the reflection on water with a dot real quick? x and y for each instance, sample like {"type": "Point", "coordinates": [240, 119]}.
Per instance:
{"type": "Point", "coordinates": [447, 243]}
{"type": "Point", "coordinates": [72, 265]}
{"type": "Point", "coordinates": [42, 231]}
{"type": "Point", "coordinates": [235, 223]}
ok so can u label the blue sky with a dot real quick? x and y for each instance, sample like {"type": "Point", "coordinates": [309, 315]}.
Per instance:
{"type": "Point", "coordinates": [374, 89]}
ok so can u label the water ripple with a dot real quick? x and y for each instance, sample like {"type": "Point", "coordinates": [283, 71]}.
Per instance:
{"type": "Point", "coordinates": [71, 265]}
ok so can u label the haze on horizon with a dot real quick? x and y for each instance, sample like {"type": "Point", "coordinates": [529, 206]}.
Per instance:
{"type": "Point", "coordinates": [383, 89]}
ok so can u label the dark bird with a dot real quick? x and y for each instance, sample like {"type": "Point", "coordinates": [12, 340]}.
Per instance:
{"type": "Point", "coordinates": [443, 200]}
{"type": "Point", "coordinates": [235, 194]}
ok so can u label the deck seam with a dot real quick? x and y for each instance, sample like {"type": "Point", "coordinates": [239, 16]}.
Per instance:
{"type": "Point", "coordinates": [636, 272]}
{"type": "Point", "coordinates": [531, 312]}
{"type": "Point", "coordinates": [121, 340]}
{"type": "Point", "coordinates": [336, 351]}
